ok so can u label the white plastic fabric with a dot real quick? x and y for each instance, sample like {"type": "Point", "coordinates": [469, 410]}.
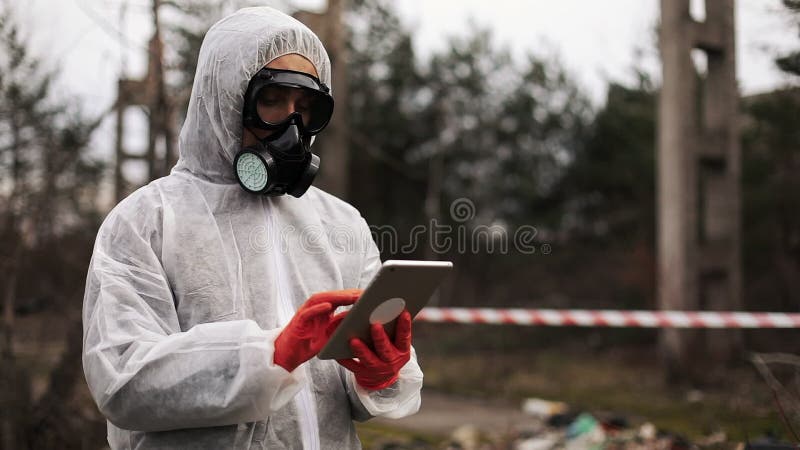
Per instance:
{"type": "Point", "coordinates": [192, 278]}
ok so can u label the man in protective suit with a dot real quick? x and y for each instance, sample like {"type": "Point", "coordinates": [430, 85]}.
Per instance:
{"type": "Point", "coordinates": [210, 292]}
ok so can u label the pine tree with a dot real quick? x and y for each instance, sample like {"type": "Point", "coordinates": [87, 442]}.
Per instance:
{"type": "Point", "coordinates": [48, 189]}
{"type": "Point", "coordinates": [791, 63]}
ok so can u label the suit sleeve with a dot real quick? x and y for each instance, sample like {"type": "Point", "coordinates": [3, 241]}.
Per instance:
{"type": "Point", "coordinates": [143, 371]}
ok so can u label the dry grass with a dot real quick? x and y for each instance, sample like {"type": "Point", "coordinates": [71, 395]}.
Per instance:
{"type": "Point", "coordinates": [627, 383]}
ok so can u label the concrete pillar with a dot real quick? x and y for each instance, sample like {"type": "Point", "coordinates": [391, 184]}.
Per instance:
{"type": "Point", "coordinates": [720, 160]}
{"type": "Point", "coordinates": [676, 188]}
{"type": "Point", "coordinates": [150, 92]}
{"type": "Point", "coordinates": [333, 145]}
{"type": "Point", "coordinates": [698, 262]}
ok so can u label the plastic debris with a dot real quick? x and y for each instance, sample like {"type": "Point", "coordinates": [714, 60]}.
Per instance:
{"type": "Point", "coordinates": [543, 409]}
{"type": "Point", "coordinates": [585, 433]}
{"type": "Point", "coordinates": [466, 437]}
{"type": "Point", "coordinates": [543, 442]}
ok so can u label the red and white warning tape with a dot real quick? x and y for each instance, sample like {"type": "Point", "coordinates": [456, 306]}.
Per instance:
{"type": "Point", "coordinates": [610, 318]}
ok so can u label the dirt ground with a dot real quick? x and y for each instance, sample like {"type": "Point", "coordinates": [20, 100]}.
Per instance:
{"type": "Point", "coordinates": [440, 414]}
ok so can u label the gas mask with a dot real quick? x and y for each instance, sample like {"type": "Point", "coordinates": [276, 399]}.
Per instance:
{"type": "Point", "coordinates": [292, 107]}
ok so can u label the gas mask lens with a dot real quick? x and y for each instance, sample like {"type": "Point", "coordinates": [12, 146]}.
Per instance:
{"type": "Point", "coordinates": [276, 97]}
{"type": "Point", "coordinates": [276, 103]}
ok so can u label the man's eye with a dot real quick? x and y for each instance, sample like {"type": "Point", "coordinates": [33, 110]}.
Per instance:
{"type": "Point", "coordinates": [272, 96]}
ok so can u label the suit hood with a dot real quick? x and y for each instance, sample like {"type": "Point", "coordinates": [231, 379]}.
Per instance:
{"type": "Point", "coordinates": [233, 50]}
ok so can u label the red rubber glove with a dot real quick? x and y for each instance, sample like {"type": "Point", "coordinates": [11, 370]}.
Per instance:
{"type": "Point", "coordinates": [375, 370]}
{"type": "Point", "coordinates": [311, 327]}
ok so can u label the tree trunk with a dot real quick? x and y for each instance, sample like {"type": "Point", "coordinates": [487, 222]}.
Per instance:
{"type": "Point", "coordinates": [13, 397]}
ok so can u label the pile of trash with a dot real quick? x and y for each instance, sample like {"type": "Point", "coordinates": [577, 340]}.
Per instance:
{"type": "Point", "coordinates": [560, 428]}
{"type": "Point", "coordinates": [578, 431]}
{"type": "Point", "coordinates": [555, 426]}
{"type": "Point", "coordinates": [586, 432]}
{"type": "Point", "coordinates": [583, 432]}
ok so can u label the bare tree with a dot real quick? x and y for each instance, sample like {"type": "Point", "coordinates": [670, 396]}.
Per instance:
{"type": "Point", "coordinates": [47, 191]}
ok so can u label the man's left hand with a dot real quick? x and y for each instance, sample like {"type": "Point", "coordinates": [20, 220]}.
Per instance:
{"type": "Point", "coordinates": [380, 367]}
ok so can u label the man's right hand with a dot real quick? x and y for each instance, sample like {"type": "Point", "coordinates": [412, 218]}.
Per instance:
{"type": "Point", "coordinates": [311, 327]}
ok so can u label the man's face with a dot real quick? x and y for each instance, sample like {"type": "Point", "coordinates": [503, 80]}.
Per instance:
{"type": "Point", "coordinates": [278, 102]}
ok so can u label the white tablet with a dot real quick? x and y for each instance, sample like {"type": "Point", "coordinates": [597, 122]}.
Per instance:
{"type": "Point", "coordinates": [400, 284]}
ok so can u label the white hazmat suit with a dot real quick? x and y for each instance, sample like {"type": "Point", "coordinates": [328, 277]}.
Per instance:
{"type": "Point", "coordinates": [192, 279]}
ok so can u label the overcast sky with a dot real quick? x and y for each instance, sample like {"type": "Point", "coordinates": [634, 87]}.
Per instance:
{"type": "Point", "coordinates": [596, 40]}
